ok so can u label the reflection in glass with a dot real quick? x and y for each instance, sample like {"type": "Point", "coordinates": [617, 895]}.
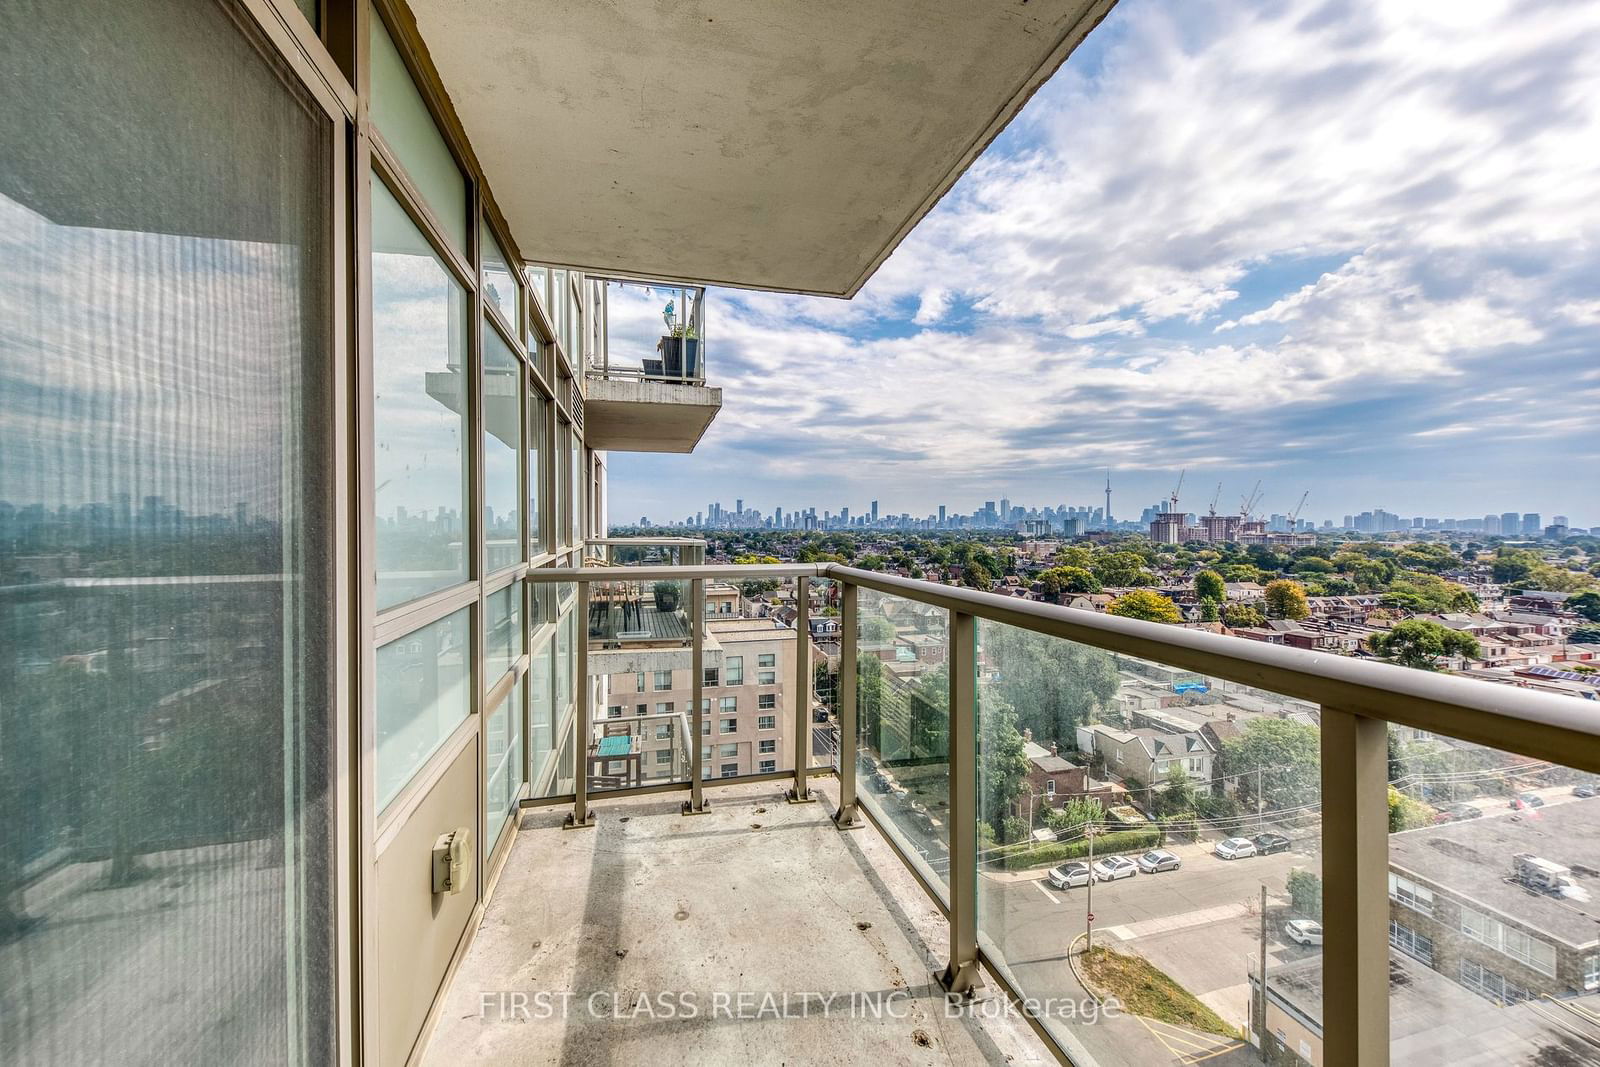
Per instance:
{"type": "Point", "coordinates": [503, 748]}
{"type": "Point", "coordinates": [1491, 923]}
{"type": "Point", "coordinates": [499, 283]}
{"type": "Point", "coordinates": [165, 633]}
{"type": "Point", "coordinates": [541, 711]}
{"type": "Point", "coordinates": [423, 695]}
{"type": "Point", "coordinates": [502, 640]}
{"type": "Point", "coordinates": [1082, 750]}
{"type": "Point", "coordinates": [502, 443]}
{"type": "Point", "coordinates": [418, 409]}
{"type": "Point", "coordinates": [903, 720]}
{"type": "Point", "coordinates": [402, 117]}
{"type": "Point", "coordinates": [538, 427]}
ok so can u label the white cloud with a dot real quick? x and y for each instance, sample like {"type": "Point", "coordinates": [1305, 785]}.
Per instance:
{"type": "Point", "coordinates": [1131, 254]}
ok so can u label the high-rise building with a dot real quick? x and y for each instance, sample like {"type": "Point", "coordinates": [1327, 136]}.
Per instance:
{"type": "Point", "coordinates": [1531, 524]}
{"type": "Point", "coordinates": [874, 511]}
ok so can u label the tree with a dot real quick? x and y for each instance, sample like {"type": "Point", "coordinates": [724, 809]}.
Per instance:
{"type": "Point", "coordinates": [976, 576]}
{"type": "Point", "coordinates": [1305, 893]}
{"type": "Point", "coordinates": [1585, 604]}
{"type": "Point", "coordinates": [1058, 580]}
{"type": "Point", "coordinates": [1288, 755]}
{"type": "Point", "coordinates": [1208, 585]}
{"type": "Point", "coordinates": [1286, 599]}
{"type": "Point", "coordinates": [1121, 569]}
{"type": "Point", "coordinates": [1145, 604]}
{"type": "Point", "coordinates": [1176, 796]}
{"type": "Point", "coordinates": [1512, 566]}
{"type": "Point", "coordinates": [1210, 611]}
{"type": "Point", "coordinates": [1074, 556]}
{"type": "Point", "coordinates": [757, 586]}
{"type": "Point", "coordinates": [1585, 635]}
{"type": "Point", "coordinates": [1002, 763]}
{"type": "Point", "coordinates": [1242, 615]}
{"type": "Point", "coordinates": [1053, 685]}
{"type": "Point", "coordinates": [876, 630]}
{"type": "Point", "coordinates": [1420, 643]}
{"type": "Point", "coordinates": [1405, 813]}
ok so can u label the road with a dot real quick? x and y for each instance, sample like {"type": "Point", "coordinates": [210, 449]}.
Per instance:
{"type": "Point", "coordinates": [1200, 924]}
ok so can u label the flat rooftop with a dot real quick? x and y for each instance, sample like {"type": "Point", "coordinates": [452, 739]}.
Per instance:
{"type": "Point", "coordinates": [1475, 860]}
{"type": "Point", "coordinates": [1435, 1020]}
{"type": "Point", "coordinates": [756, 897]}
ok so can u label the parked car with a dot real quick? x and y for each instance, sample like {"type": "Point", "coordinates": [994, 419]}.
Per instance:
{"type": "Point", "coordinates": [1458, 813]}
{"type": "Point", "coordinates": [1304, 931]}
{"type": "Point", "coordinates": [1069, 875]}
{"type": "Point", "coordinates": [1159, 860]}
{"type": "Point", "coordinates": [1113, 867]}
{"type": "Point", "coordinates": [1583, 789]}
{"type": "Point", "coordinates": [1527, 800]}
{"type": "Point", "coordinates": [1267, 844]}
{"type": "Point", "coordinates": [1235, 848]}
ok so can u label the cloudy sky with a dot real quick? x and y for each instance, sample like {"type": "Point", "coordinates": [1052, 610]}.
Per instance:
{"type": "Point", "coordinates": [1348, 246]}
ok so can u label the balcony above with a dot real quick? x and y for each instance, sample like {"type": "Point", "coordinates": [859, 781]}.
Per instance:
{"type": "Point", "coordinates": [647, 415]}
{"type": "Point", "coordinates": [783, 146]}
{"type": "Point", "coordinates": [646, 388]}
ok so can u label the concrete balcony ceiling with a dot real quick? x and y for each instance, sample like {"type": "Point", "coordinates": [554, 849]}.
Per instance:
{"type": "Point", "coordinates": [785, 146]}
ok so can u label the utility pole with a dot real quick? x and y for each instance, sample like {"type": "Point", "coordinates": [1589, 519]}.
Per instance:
{"type": "Point", "coordinates": [1088, 899]}
{"type": "Point", "coordinates": [1261, 976]}
{"type": "Point", "coordinates": [1260, 815]}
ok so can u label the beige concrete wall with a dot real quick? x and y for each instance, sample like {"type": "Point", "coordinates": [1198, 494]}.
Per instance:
{"type": "Point", "coordinates": [417, 932]}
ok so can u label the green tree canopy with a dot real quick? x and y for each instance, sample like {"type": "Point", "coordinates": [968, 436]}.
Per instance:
{"type": "Point", "coordinates": [1208, 585]}
{"type": "Point", "coordinates": [1242, 615]}
{"type": "Point", "coordinates": [1002, 764]}
{"type": "Point", "coordinates": [1058, 580]}
{"type": "Point", "coordinates": [1121, 569]}
{"type": "Point", "coordinates": [1419, 643]}
{"type": "Point", "coordinates": [1288, 754]}
{"type": "Point", "coordinates": [1053, 685]}
{"type": "Point", "coordinates": [1145, 604]}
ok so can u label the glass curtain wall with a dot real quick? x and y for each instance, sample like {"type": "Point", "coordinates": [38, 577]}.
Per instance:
{"type": "Point", "coordinates": [464, 426]}
{"type": "Point", "coordinates": [166, 533]}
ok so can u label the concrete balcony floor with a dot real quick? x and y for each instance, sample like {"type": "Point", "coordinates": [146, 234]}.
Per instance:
{"type": "Point", "coordinates": [756, 897]}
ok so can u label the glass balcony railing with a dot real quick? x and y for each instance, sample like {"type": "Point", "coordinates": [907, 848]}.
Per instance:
{"type": "Point", "coordinates": [654, 332]}
{"type": "Point", "coordinates": [645, 551]}
{"type": "Point", "coordinates": [1298, 858]}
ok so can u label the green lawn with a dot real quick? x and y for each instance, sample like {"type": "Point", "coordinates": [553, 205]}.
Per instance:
{"type": "Point", "coordinates": [1146, 990]}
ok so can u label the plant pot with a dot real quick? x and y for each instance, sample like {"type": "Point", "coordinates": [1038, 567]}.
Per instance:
{"type": "Point", "coordinates": [680, 356]}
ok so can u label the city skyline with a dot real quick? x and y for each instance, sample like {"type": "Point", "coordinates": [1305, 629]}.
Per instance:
{"type": "Point", "coordinates": [1375, 282]}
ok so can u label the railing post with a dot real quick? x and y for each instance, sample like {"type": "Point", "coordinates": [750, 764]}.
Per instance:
{"type": "Point", "coordinates": [581, 728]}
{"type": "Point", "coordinates": [799, 793]}
{"type": "Point", "coordinates": [696, 804]}
{"type": "Point", "coordinates": [960, 976]}
{"type": "Point", "coordinates": [845, 818]}
{"type": "Point", "coordinates": [1355, 890]}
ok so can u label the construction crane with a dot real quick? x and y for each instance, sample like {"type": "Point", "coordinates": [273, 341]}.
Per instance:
{"type": "Point", "coordinates": [1214, 498]}
{"type": "Point", "coordinates": [1178, 487]}
{"type": "Point", "coordinates": [1295, 514]}
{"type": "Point", "coordinates": [1247, 504]}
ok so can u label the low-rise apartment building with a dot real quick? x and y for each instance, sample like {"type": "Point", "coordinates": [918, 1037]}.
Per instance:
{"type": "Point", "coordinates": [1502, 904]}
{"type": "Point", "coordinates": [747, 704]}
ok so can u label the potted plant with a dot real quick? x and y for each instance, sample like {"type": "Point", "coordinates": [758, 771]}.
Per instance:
{"type": "Point", "coordinates": [679, 347]}
{"type": "Point", "coordinates": [666, 594]}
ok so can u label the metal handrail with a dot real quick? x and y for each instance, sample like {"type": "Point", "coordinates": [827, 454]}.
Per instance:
{"type": "Point", "coordinates": [1358, 699]}
{"type": "Point", "coordinates": [1533, 723]}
